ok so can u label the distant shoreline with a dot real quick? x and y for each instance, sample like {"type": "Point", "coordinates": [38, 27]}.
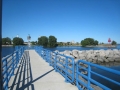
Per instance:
{"type": "Point", "coordinates": [76, 45]}
{"type": "Point", "coordinates": [7, 45]}
{"type": "Point", "coordinates": [103, 46]}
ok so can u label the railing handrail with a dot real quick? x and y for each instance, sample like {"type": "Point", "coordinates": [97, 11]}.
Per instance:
{"type": "Point", "coordinates": [90, 71]}
{"type": "Point", "coordinates": [67, 75]}
{"type": "Point", "coordinates": [9, 63]}
{"type": "Point", "coordinates": [41, 51]}
{"type": "Point", "coordinates": [53, 59]}
{"type": "Point", "coordinates": [100, 67]}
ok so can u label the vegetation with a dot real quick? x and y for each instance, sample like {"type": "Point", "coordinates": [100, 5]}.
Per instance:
{"type": "Point", "coordinates": [95, 42]}
{"type": "Point", "coordinates": [114, 42]}
{"type": "Point", "coordinates": [18, 41]}
{"type": "Point", "coordinates": [43, 41]}
{"type": "Point", "coordinates": [34, 42]}
{"type": "Point", "coordinates": [6, 41]}
{"type": "Point", "coordinates": [60, 43]}
{"type": "Point", "coordinates": [77, 43]}
{"type": "Point", "coordinates": [47, 42]}
{"type": "Point", "coordinates": [52, 41]}
{"type": "Point", "coordinates": [89, 42]}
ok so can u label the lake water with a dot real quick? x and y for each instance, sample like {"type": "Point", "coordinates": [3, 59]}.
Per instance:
{"type": "Point", "coordinates": [9, 50]}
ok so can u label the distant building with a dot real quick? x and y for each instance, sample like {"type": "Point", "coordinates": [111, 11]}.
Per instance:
{"type": "Point", "coordinates": [25, 43]}
{"type": "Point", "coordinates": [72, 41]}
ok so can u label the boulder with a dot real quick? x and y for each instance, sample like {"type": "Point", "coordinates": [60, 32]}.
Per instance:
{"type": "Point", "coordinates": [75, 53]}
{"type": "Point", "coordinates": [56, 51]}
{"type": "Point", "coordinates": [82, 57]}
{"type": "Point", "coordinates": [67, 52]}
{"type": "Point", "coordinates": [61, 52]}
{"type": "Point", "coordinates": [116, 52]}
{"type": "Point", "coordinates": [100, 60]}
{"type": "Point", "coordinates": [106, 60]}
{"type": "Point", "coordinates": [116, 57]}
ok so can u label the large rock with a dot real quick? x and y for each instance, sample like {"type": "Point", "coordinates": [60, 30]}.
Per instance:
{"type": "Point", "coordinates": [117, 58]}
{"type": "Point", "coordinates": [56, 51]}
{"type": "Point", "coordinates": [67, 52]}
{"type": "Point", "coordinates": [116, 52]}
{"type": "Point", "coordinates": [75, 53]}
{"type": "Point", "coordinates": [94, 56]}
{"type": "Point", "coordinates": [61, 52]}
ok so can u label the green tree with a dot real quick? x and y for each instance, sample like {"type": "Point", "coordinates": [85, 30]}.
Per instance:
{"type": "Point", "coordinates": [89, 41]}
{"type": "Point", "coordinates": [77, 43]}
{"type": "Point", "coordinates": [43, 41]}
{"type": "Point", "coordinates": [61, 44]}
{"type": "Point", "coordinates": [68, 43]}
{"type": "Point", "coordinates": [6, 41]}
{"type": "Point", "coordinates": [96, 42]}
{"type": "Point", "coordinates": [34, 42]}
{"type": "Point", "coordinates": [52, 41]}
{"type": "Point", "coordinates": [114, 42]}
{"type": "Point", "coordinates": [18, 41]}
{"type": "Point", "coordinates": [85, 43]}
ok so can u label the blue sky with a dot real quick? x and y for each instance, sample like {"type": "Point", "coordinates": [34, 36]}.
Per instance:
{"type": "Point", "coordinates": [67, 20]}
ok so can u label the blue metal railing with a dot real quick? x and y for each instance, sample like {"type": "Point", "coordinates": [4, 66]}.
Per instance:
{"type": "Point", "coordinates": [87, 81]}
{"type": "Point", "coordinates": [9, 63]}
{"type": "Point", "coordinates": [81, 72]}
{"type": "Point", "coordinates": [61, 63]}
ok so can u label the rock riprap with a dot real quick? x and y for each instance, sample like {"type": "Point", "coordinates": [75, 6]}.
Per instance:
{"type": "Point", "coordinates": [94, 56]}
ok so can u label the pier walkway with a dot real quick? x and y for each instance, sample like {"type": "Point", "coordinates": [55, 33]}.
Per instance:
{"type": "Point", "coordinates": [33, 73]}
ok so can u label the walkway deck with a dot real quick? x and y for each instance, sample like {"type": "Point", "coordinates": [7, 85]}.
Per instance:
{"type": "Point", "coordinates": [33, 73]}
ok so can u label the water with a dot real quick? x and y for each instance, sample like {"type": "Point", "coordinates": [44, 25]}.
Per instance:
{"type": "Point", "coordinates": [7, 50]}
{"type": "Point", "coordinates": [81, 48]}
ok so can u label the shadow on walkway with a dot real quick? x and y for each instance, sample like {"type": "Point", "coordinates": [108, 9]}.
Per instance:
{"type": "Point", "coordinates": [23, 77]}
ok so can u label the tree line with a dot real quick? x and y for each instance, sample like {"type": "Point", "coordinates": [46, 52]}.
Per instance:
{"type": "Point", "coordinates": [15, 41]}
{"type": "Point", "coordinates": [51, 41]}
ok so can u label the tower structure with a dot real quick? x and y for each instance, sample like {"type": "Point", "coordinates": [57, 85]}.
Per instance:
{"type": "Point", "coordinates": [29, 38]}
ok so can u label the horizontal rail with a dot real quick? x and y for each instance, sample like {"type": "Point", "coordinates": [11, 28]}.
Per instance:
{"type": "Point", "coordinates": [56, 60]}
{"type": "Point", "coordinates": [9, 64]}
{"type": "Point", "coordinates": [72, 71]}
{"type": "Point", "coordinates": [88, 77]}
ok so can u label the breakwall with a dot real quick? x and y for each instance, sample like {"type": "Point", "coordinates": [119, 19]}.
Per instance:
{"type": "Point", "coordinates": [94, 56]}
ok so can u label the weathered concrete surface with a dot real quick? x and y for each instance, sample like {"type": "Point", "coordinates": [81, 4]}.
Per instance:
{"type": "Point", "coordinates": [33, 73]}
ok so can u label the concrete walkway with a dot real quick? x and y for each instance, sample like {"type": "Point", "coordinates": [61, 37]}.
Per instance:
{"type": "Point", "coordinates": [33, 73]}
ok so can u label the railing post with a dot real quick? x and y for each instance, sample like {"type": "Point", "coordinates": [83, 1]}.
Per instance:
{"type": "Point", "coordinates": [6, 74]}
{"type": "Point", "coordinates": [89, 75]}
{"type": "Point", "coordinates": [20, 53]}
{"type": "Point", "coordinates": [73, 69]}
{"type": "Point", "coordinates": [55, 62]}
{"type": "Point", "coordinates": [46, 56]}
{"type": "Point", "coordinates": [50, 58]}
{"type": "Point", "coordinates": [77, 74]}
{"type": "Point", "coordinates": [22, 50]}
{"type": "Point", "coordinates": [13, 64]}
{"type": "Point", "coordinates": [17, 58]}
{"type": "Point", "coordinates": [66, 63]}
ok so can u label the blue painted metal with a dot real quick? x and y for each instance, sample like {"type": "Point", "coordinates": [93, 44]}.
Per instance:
{"type": "Point", "coordinates": [61, 63]}
{"type": "Point", "coordinates": [66, 66]}
{"type": "Point", "coordinates": [9, 63]}
{"type": "Point", "coordinates": [80, 83]}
